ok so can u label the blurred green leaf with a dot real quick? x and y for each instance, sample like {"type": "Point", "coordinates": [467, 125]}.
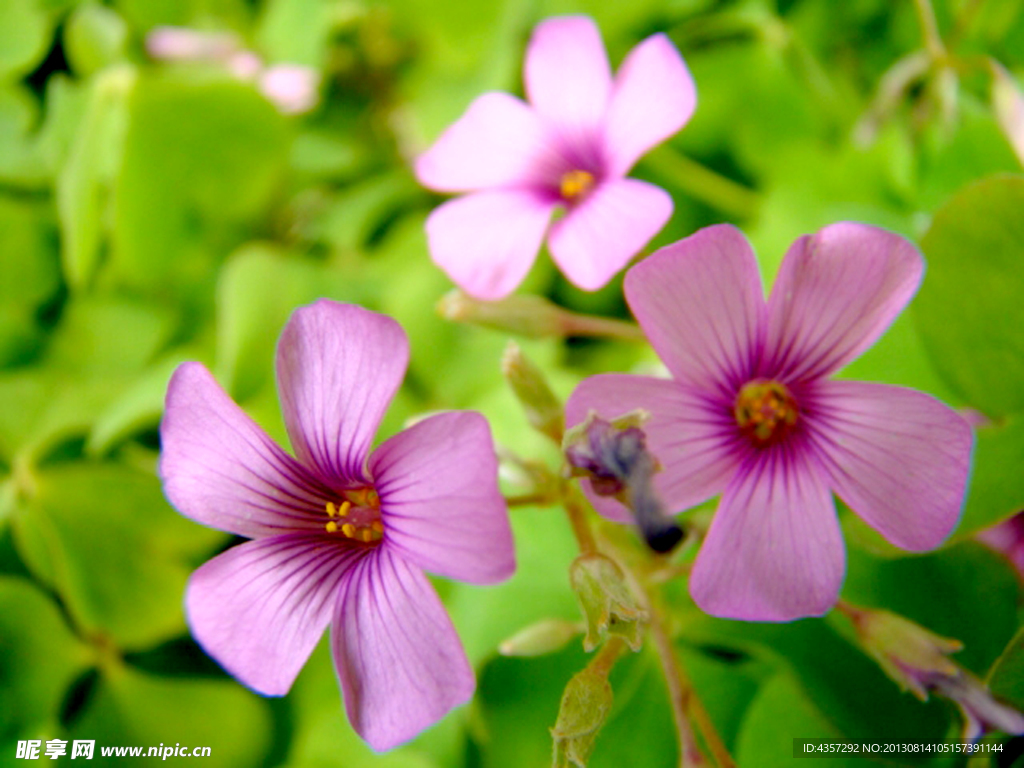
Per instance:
{"type": "Point", "coordinates": [202, 158]}
{"type": "Point", "coordinates": [996, 488]}
{"type": "Point", "coordinates": [24, 36]}
{"type": "Point", "coordinates": [105, 335]}
{"type": "Point", "coordinates": [134, 708]}
{"type": "Point", "coordinates": [297, 31]}
{"type": "Point", "coordinates": [85, 181]}
{"type": "Point", "coordinates": [539, 589]}
{"type": "Point", "coordinates": [968, 310]}
{"type": "Point", "coordinates": [146, 14]}
{"type": "Point", "coordinates": [94, 37]}
{"type": "Point", "coordinates": [28, 274]}
{"type": "Point", "coordinates": [138, 406]}
{"type": "Point", "coordinates": [39, 658]}
{"type": "Point", "coordinates": [115, 551]}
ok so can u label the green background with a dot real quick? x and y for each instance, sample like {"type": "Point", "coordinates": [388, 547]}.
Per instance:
{"type": "Point", "coordinates": [152, 213]}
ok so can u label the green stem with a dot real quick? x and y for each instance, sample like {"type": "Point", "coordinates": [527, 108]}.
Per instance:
{"type": "Point", "coordinates": [930, 29]}
{"type": "Point", "coordinates": [702, 183]}
{"type": "Point", "coordinates": [577, 514]}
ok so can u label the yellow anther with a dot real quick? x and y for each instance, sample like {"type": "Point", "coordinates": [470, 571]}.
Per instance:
{"type": "Point", "coordinates": [344, 508]}
{"type": "Point", "coordinates": [366, 534]}
{"type": "Point", "coordinates": [377, 526]}
{"type": "Point", "coordinates": [349, 530]}
{"type": "Point", "coordinates": [575, 184]}
{"type": "Point", "coordinates": [331, 509]}
{"type": "Point", "coordinates": [765, 411]}
{"type": "Point", "coordinates": [332, 527]}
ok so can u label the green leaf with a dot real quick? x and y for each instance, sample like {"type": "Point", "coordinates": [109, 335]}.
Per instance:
{"type": "Point", "coordinates": [24, 36]}
{"type": "Point", "coordinates": [138, 406]}
{"type": "Point", "coordinates": [20, 162]}
{"type": "Point", "coordinates": [39, 658]}
{"type": "Point", "coordinates": [202, 158]}
{"type": "Point", "coordinates": [94, 37]}
{"type": "Point", "coordinates": [28, 274]}
{"type": "Point", "coordinates": [996, 489]}
{"type": "Point", "coordinates": [969, 311]}
{"type": "Point", "coordinates": [102, 335]}
{"type": "Point", "coordinates": [1006, 677]}
{"type": "Point", "coordinates": [297, 31]}
{"type": "Point", "coordinates": [105, 539]}
{"type": "Point", "coordinates": [85, 181]}
{"type": "Point", "coordinates": [782, 710]}
{"type": "Point", "coordinates": [135, 708]}
{"type": "Point", "coordinates": [484, 616]}
{"type": "Point", "coordinates": [848, 689]}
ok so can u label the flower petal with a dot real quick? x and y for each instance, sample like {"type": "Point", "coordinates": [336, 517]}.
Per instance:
{"type": "Point", "coordinates": [399, 661]}
{"type": "Point", "coordinates": [700, 303]}
{"type": "Point", "coordinates": [487, 241]}
{"type": "Point", "coordinates": [338, 366]}
{"type": "Point", "coordinates": [260, 608]}
{"type": "Point", "coordinates": [836, 293]}
{"type": "Point", "coordinates": [652, 98]}
{"type": "Point", "coordinates": [440, 503]}
{"type": "Point", "coordinates": [568, 79]}
{"type": "Point", "coordinates": [692, 437]}
{"type": "Point", "coordinates": [774, 551]}
{"type": "Point", "coordinates": [220, 469]}
{"type": "Point", "coordinates": [598, 237]}
{"type": "Point", "coordinates": [898, 457]}
{"type": "Point", "coordinates": [499, 141]}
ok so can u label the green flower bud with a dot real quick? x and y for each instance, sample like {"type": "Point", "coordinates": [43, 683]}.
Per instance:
{"type": "Point", "coordinates": [607, 601]}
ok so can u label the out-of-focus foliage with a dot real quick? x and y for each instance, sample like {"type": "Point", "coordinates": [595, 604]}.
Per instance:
{"type": "Point", "coordinates": [154, 212]}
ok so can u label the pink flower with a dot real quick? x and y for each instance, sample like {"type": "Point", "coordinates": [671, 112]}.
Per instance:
{"type": "Point", "coordinates": [569, 148]}
{"type": "Point", "coordinates": [752, 414]}
{"type": "Point", "coordinates": [340, 534]}
{"type": "Point", "coordinates": [1007, 538]}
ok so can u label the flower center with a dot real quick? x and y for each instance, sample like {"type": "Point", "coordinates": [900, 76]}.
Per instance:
{"type": "Point", "coordinates": [575, 185]}
{"type": "Point", "coordinates": [765, 411]}
{"type": "Point", "coordinates": [357, 516]}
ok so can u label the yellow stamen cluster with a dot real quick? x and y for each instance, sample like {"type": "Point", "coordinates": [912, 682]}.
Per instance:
{"type": "Point", "coordinates": [765, 411]}
{"type": "Point", "coordinates": [575, 185]}
{"type": "Point", "coordinates": [357, 517]}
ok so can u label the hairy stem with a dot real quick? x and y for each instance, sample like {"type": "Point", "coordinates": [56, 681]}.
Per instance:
{"type": "Point", "coordinates": [577, 514]}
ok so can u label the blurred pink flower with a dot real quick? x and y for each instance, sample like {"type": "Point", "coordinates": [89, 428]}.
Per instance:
{"type": "Point", "coordinates": [292, 88]}
{"type": "Point", "coordinates": [752, 414]}
{"type": "Point", "coordinates": [339, 534]}
{"type": "Point", "coordinates": [569, 148]}
{"type": "Point", "coordinates": [1007, 538]}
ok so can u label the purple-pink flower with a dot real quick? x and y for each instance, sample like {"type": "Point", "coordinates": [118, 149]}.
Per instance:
{"type": "Point", "coordinates": [750, 413]}
{"type": "Point", "coordinates": [340, 533]}
{"type": "Point", "coordinates": [570, 148]}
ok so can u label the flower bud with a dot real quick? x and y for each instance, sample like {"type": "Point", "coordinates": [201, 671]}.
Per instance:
{"type": "Point", "coordinates": [586, 702]}
{"type": "Point", "coordinates": [543, 410]}
{"type": "Point", "coordinates": [917, 659]}
{"type": "Point", "coordinates": [546, 636]}
{"type": "Point", "coordinates": [529, 316]}
{"type": "Point", "coordinates": [607, 601]}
